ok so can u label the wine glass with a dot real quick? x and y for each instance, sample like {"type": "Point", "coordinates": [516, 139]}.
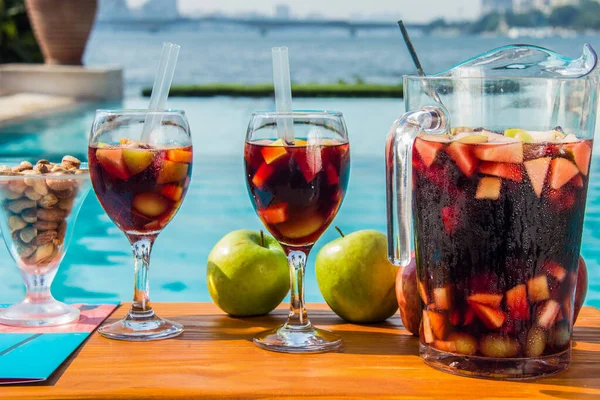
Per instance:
{"type": "Point", "coordinates": [297, 188]}
{"type": "Point", "coordinates": [40, 205]}
{"type": "Point", "coordinates": [140, 166]}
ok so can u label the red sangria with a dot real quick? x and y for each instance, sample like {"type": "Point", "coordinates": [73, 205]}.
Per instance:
{"type": "Point", "coordinates": [297, 190]}
{"type": "Point", "coordinates": [139, 186]}
{"type": "Point", "coordinates": [498, 222]}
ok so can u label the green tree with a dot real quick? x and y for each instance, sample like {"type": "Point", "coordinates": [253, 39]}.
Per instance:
{"type": "Point", "coordinates": [17, 43]}
{"type": "Point", "coordinates": [566, 16]}
{"type": "Point", "coordinates": [487, 23]}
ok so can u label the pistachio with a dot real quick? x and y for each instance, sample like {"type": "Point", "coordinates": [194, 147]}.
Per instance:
{"type": "Point", "coordinates": [41, 168]}
{"type": "Point", "coordinates": [45, 237]}
{"type": "Point", "coordinates": [48, 201]}
{"type": "Point", "coordinates": [19, 205]}
{"type": "Point", "coordinates": [40, 187]}
{"type": "Point", "coordinates": [15, 223]}
{"type": "Point", "coordinates": [31, 194]}
{"type": "Point", "coordinates": [57, 168]}
{"type": "Point", "coordinates": [31, 177]}
{"type": "Point", "coordinates": [5, 168]}
{"type": "Point", "coordinates": [59, 184]}
{"type": "Point", "coordinates": [29, 215]}
{"type": "Point", "coordinates": [27, 234]}
{"type": "Point", "coordinates": [54, 214]}
{"type": "Point", "coordinates": [25, 165]}
{"type": "Point", "coordinates": [70, 162]}
{"type": "Point", "coordinates": [45, 225]}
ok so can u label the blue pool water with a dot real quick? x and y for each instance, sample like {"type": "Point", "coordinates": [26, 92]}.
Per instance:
{"type": "Point", "coordinates": [98, 264]}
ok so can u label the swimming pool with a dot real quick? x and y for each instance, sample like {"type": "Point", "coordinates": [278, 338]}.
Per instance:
{"type": "Point", "coordinates": [98, 265]}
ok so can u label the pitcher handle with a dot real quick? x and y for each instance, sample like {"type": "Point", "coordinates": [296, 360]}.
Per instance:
{"type": "Point", "coordinates": [398, 154]}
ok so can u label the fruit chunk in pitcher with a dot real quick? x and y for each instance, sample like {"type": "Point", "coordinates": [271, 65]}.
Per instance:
{"type": "Point", "coordinates": [297, 189]}
{"type": "Point", "coordinates": [499, 219]}
{"type": "Point", "coordinates": [140, 187]}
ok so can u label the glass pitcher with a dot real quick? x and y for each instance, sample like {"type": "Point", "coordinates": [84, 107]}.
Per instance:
{"type": "Point", "coordinates": [490, 163]}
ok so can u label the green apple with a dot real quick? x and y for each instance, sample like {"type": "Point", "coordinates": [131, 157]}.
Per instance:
{"type": "Point", "coordinates": [247, 273]}
{"type": "Point", "coordinates": [356, 279]}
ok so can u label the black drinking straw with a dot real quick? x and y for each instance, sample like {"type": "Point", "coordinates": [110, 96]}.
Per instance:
{"type": "Point", "coordinates": [411, 48]}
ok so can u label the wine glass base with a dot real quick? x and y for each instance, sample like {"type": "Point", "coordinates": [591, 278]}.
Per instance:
{"type": "Point", "coordinates": [47, 313]}
{"type": "Point", "coordinates": [298, 340]}
{"type": "Point", "coordinates": [141, 330]}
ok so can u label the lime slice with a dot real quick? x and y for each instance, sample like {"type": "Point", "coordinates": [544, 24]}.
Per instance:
{"type": "Point", "coordinates": [513, 132]}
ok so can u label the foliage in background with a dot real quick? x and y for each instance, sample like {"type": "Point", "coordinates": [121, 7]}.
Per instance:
{"type": "Point", "coordinates": [17, 43]}
{"type": "Point", "coordinates": [585, 15]}
{"type": "Point", "coordinates": [298, 90]}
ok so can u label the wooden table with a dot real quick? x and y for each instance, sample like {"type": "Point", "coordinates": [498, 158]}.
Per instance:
{"type": "Point", "coordinates": [215, 357]}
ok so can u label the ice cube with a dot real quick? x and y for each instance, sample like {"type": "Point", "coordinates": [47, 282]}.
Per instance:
{"type": "Point", "coordinates": [525, 61]}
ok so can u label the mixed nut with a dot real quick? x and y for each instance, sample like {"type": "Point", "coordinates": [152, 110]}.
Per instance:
{"type": "Point", "coordinates": [37, 203]}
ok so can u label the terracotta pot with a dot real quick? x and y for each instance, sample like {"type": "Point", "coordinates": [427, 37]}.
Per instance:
{"type": "Point", "coordinates": [62, 28]}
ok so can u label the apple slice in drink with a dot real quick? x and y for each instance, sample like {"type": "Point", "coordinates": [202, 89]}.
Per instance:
{"type": "Point", "coordinates": [555, 270]}
{"type": "Point", "coordinates": [517, 304]}
{"type": "Point", "coordinates": [112, 161]}
{"type": "Point", "coordinates": [274, 214]}
{"type": "Point", "coordinates": [502, 170]}
{"type": "Point", "coordinates": [461, 154]}
{"type": "Point", "coordinates": [506, 153]}
{"type": "Point", "coordinates": [538, 289]}
{"type": "Point", "coordinates": [427, 331]}
{"type": "Point", "coordinates": [274, 151]}
{"type": "Point", "coordinates": [172, 172]}
{"type": "Point", "coordinates": [442, 297]}
{"type": "Point", "coordinates": [444, 345]}
{"type": "Point", "coordinates": [262, 175]}
{"type": "Point", "coordinates": [488, 299]}
{"type": "Point", "coordinates": [561, 172]}
{"type": "Point", "coordinates": [537, 170]}
{"type": "Point", "coordinates": [492, 318]}
{"type": "Point", "coordinates": [301, 227]}
{"type": "Point", "coordinates": [546, 313]}
{"type": "Point", "coordinates": [180, 156]}
{"type": "Point", "coordinates": [577, 181]}
{"type": "Point", "coordinates": [439, 324]}
{"type": "Point", "coordinates": [137, 160]}
{"type": "Point", "coordinates": [150, 204]}
{"type": "Point", "coordinates": [488, 188]}
{"type": "Point", "coordinates": [172, 192]}
{"type": "Point", "coordinates": [582, 153]}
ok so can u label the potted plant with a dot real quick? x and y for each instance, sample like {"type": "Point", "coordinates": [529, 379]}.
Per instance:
{"type": "Point", "coordinates": [62, 28]}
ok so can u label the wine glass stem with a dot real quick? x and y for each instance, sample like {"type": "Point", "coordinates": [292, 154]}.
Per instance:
{"type": "Point", "coordinates": [141, 295]}
{"type": "Point", "coordinates": [297, 318]}
{"type": "Point", "coordinates": [38, 286]}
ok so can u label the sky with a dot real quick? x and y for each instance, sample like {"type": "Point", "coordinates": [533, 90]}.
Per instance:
{"type": "Point", "coordinates": [410, 10]}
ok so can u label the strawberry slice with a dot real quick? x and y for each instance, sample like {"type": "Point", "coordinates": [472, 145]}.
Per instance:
{"type": "Point", "coordinates": [332, 175]}
{"type": "Point", "coordinates": [502, 170]}
{"type": "Point", "coordinates": [488, 188]}
{"type": "Point", "coordinates": [180, 156]}
{"type": "Point", "coordinates": [427, 150]}
{"type": "Point", "coordinates": [427, 331]}
{"type": "Point", "coordinates": [538, 288]}
{"type": "Point", "coordinates": [274, 214]}
{"type": "Point", "coordinates": [506, 153]}
{"type": "Point", "coordinates": [172, 192]}
{"type": "Point", "coordinates": [547, 312]}
{"type": "Point", "coordinates": [577, 181]}
{"type": "Point", "coordinates": [273, 151]}
{"type": "Point", "coordinates": [582, 152]}
{"type": "Point", "coordinates": [537, 170]}
{"type": "Point", "coordinates": [517, 304]}
{"type": "Point", "coordinates": [460, 153]}
{"type": "Point", "coordinates": [450, 219]}
{"type": "Point", "coordinates": [489, 299]}
{"type": "Point", "coordinates": [561, 172]}
{"type": "Point", "coordinates": [492, 318]}
{"type": "Point", "coordinates": [262, 175]}
{"type": "Point", "coordinates": [439, 324]}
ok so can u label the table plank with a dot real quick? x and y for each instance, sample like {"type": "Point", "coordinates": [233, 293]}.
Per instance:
{"type": "Point", "coordinates": [215, 357]}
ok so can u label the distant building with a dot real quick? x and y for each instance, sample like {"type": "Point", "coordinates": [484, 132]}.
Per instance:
{"type": "Point", "coordinates": [113, 10]}
{"type": "Point", "coordinates": [282, 11]}
{"type": "Point", "coordinates": [546, 6]}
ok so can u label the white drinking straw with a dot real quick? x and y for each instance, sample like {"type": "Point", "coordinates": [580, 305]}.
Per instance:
{"type": "Point", "coordinates": [283, 92]}
{"type": "Point", "coordinates": [161, 87]}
